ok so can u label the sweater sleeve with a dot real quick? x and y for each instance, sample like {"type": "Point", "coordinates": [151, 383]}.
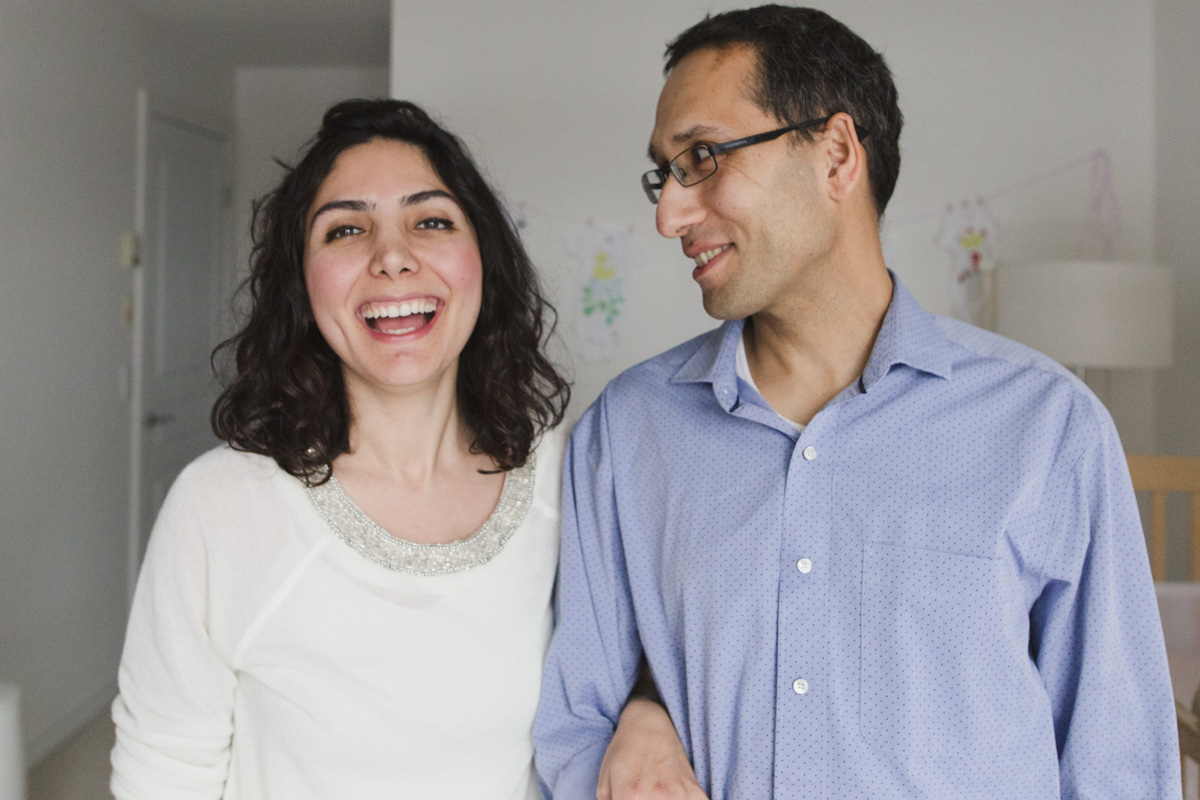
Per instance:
{"type": "Point", "coordinates": [174, 712]}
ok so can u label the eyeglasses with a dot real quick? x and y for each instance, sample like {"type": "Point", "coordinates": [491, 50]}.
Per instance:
{"type": "Point", "coordinates": [700, 161]}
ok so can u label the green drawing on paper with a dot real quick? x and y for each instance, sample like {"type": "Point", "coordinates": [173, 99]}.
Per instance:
{"type": "Point", "coordinates": [606, 257]}
{"type": "Point", "coordinates": [602, 296]}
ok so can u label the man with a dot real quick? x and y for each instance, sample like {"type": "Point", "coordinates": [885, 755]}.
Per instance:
{"type": "Point", "coordinates": [868, 552]}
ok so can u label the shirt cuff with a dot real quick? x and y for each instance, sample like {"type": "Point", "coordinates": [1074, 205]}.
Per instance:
{"type": "Point", "coordinates": [578, 778]}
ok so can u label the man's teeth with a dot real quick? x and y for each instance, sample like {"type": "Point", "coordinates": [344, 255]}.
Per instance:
{"type": "Point", "coordinates": [708, 255]}
{"type": "Point", "coordinates": [383, 310]}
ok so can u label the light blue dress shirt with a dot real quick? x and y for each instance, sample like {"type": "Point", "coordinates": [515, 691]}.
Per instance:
{"type": "Point", "coordinates": [939, 589]}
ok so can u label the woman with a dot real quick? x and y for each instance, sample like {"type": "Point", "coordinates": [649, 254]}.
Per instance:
{"type": "Point", "coordinates": [352, 598]}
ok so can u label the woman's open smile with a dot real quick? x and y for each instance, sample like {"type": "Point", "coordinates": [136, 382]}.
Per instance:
{"type": "Point", "coordinates": [392, 318]}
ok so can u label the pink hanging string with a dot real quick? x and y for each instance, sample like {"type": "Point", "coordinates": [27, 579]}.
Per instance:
{"type": "Point", "coordinates": [1105, 212]}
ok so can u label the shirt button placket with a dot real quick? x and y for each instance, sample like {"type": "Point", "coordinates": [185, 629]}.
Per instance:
{"type": "Point", "coordinates": [805, 564]}
{"type": "Point", "coordinates": [799, 648]}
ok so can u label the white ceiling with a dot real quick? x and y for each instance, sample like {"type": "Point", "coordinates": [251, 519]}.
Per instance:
{"type": "Point", "coordinates": [299, 32]}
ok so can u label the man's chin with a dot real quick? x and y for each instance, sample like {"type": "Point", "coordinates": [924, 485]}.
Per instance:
{"type": "Point", "coordinates": [725, 305]}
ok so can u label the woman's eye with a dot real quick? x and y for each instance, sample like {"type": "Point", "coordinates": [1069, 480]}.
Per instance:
{"type": "Point", "coordinates": [341, 230]}
{"type": "Point", "coordinates": [435, 224]}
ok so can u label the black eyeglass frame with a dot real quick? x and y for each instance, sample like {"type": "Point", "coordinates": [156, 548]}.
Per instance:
{"type": "Point", "coordinates": [653, 180]}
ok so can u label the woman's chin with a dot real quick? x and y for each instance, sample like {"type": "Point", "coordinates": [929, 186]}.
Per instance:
{"type": "Point", "coordinates": [400, 375]}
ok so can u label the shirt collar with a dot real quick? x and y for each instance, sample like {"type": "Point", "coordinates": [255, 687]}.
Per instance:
{"type": "Point", "coordinates": [909, 335]}
{"type": "Point", "coordinates": [715, 362]}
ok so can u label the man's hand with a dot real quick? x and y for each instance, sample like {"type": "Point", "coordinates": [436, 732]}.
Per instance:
{"type": "Point", "coordinates": [645, 759]}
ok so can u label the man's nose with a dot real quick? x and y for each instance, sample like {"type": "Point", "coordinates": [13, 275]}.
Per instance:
{"type": "Point", "coordinates": [678, 209]}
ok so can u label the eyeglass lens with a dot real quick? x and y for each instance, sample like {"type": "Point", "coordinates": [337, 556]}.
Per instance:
{"type": "Point", "coordinates": [689, 168]}
{"type": "Point", "coordinates": [693, 165]}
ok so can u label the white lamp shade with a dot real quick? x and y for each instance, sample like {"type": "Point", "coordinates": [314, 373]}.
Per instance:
{"type": "Point", "coordinates": [1105, 314]}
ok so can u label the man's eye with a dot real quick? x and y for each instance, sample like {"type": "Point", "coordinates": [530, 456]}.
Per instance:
{"type": "Point", "coordinates": [692, 164]}
{"type": "Point", "coordinates": [341, 230]}
{"type": "Point", "coordinates": [435, 224]}
{"type": "Point", "coordinates": [699, 154]}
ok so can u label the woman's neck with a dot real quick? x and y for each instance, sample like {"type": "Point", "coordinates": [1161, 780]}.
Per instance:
{"type": "Point", "coordinates": [410, 467]}
{"type": "Point", "coordinates": [407, 435]}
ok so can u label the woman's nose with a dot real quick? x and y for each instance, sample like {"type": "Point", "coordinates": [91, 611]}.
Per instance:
{"type": "Point", "coordinates": [391, 256]}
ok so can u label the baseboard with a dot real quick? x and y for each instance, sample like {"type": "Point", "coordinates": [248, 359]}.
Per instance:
{"type": "Point", "coordinates": [42, 743]}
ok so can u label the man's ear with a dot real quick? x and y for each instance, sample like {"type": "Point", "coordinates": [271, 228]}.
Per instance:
{"type": "Point", "coordinates": [844, 156]}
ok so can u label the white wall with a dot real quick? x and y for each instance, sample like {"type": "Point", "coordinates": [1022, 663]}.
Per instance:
{"type": "Point", "coordinates": [1177, 234]}
{"type": "Point", "coordinates": [278, 109]}
{"type": "Point", "coordinates": [190, 76]}
{"type": "Point", "coordinates": [68, 76]}
{"type": "Point", "coordinates": [557, 100]}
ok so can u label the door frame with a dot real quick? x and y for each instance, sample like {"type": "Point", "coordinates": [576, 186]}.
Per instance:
{"type": "Point", "coordinates": [163, 108]}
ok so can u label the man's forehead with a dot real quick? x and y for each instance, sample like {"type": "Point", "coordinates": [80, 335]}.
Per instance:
{"type": "Point", "coordinates": [701, 99]}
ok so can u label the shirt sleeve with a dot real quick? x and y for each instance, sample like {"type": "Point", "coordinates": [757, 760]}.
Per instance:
{"type": "Point", "coordinates": [1097, 638]}
{"type": "Point", "coordinates": [594, 653]}
{"type": "Point", "coordinates": [174, 712]}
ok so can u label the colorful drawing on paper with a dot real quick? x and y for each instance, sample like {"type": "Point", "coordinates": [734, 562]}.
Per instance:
{"type": "Point", "coordinates": [604, 256]}
{"type": "Point", "coordinates": [968, 235]}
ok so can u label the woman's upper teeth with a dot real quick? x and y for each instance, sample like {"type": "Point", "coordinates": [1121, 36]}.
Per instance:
{"type": "Point", "coordinates": [381, 310]}
{"type": "Point", "coordinates": [709, 255]}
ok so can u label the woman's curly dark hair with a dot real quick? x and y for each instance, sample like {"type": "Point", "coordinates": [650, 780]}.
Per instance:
{"type": "Point", "coordinates": [287, 398]}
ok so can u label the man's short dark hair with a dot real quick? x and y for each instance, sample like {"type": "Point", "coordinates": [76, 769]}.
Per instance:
{"type": "Point", "coordinates": [810, 65]}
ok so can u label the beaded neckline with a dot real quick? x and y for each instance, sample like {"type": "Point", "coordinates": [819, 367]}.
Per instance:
{"type": "Point", "coordinates": [356, 529]}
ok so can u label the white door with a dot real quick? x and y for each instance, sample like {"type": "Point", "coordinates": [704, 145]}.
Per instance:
{"type": "Point", "coordinates": [179, 292]}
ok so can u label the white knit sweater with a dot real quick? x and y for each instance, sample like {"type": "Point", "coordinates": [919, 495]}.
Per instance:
{"type": "Point", "coordinates": [267, 659]}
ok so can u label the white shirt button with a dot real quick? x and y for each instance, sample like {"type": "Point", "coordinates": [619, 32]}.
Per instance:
{"type": "Point", "coordinates": [800, 686]}
{"type": "Point", "coordinates": [809, 453]}
{"type": "Point", "coordinates": [804, 565]}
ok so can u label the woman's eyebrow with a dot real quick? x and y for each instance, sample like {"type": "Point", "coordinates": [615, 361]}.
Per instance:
{"type": "Point", "coordinates": [337, 205]}
{"type": "Point", "coordinates": [420, 197]}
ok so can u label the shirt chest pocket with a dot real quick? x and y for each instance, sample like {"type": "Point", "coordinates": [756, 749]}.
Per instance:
{"type": "Point", "coordinates": [934, 678]}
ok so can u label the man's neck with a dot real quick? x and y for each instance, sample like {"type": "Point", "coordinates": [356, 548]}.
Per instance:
{"type": "Point", "coordinates": [814, 343]}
